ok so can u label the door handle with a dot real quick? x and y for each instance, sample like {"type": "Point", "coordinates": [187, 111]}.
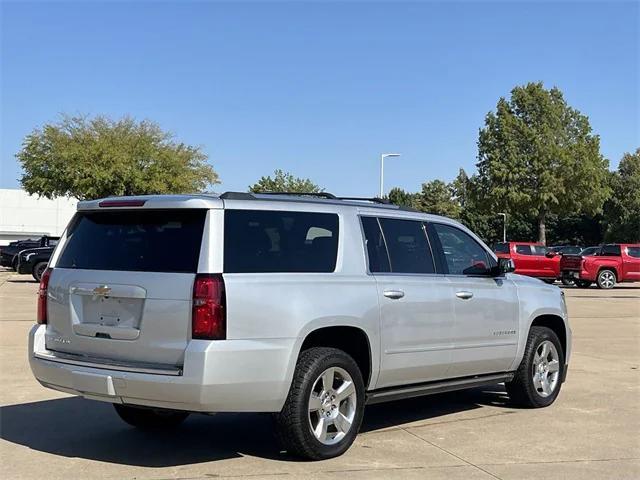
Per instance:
{"type": "Point", "coordinates": [464, 295]}
{"type": "Point", "coordinates": [395, 294]}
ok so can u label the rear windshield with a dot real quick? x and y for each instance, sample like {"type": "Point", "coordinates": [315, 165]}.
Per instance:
{"type": "Point", "coordinates": [258, 241]}
{"type": "Point", "coordinates": [141, 241]}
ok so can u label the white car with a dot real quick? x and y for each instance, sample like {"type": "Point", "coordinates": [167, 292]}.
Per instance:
{"type": "Point", "coordinates": [309, 307]}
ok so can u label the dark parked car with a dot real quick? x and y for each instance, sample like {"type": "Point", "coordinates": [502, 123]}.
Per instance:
{"type": "Point", "coordinates": [34, 261]}
{"type": "Point", "coordinates": [9, 254]}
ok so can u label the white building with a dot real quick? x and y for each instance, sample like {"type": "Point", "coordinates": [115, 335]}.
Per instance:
{"type": "Point", "coordinates": [29, 216]}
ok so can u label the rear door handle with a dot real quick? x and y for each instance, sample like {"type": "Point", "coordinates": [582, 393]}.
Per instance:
{"type": "Point", "coordinates": [395, 294]}
{"type": "Point", "coordinates": [464, 295]}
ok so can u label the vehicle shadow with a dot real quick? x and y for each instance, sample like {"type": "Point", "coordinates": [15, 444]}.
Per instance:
{"type": "Point", "coordinates": [74, 427]}
{"type": "Point", "coordinates": [22, 279]}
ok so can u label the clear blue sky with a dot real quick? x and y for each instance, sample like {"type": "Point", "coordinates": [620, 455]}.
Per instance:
{"type": "Point", "coordinates": [319, 89]}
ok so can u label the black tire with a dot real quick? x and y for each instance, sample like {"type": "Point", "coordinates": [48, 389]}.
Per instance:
{"type": "Point", "coordinates": [293, 425]}
{"type": "Point", "coordinates": [606, 279]}
{"type": "Point", "coordinates": [14, 263]}
{"type": "Point", "coordinates": [521, 389]}
{"type": "Point", "coordinates": [150, 418]}
{"type": "Point", "coordinates": [583, 283]}
{"type": "Point", "coordinates": [550, 281]}
{"type": "Point", "coordinates": [566, 281]}
{"type": "Point", "coordinates": [38, 270]}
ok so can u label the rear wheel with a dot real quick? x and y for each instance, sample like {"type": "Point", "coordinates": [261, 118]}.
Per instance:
{"type": "Point", "coordinates": [150, 418]}
{"type": "Point", "coordinates": [606, 279]}
{"type": "Point", "coordinates": [583, 283]}
{"type": "Point", "coordinates": [550, 281]}
{"type": "Point", "coordinates": [323, 411]}
{"type": "Point", "coordinates": [38, 270]}
{"type": "Point", "coordinates": [539, 377]}
{"type": "Point", "coordinates": [566, 281]}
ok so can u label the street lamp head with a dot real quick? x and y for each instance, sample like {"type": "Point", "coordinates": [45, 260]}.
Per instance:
{"type": "Point", "coordinates": [390, 154]}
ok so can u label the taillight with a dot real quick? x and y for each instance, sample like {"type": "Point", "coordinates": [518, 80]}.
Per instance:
{"type": "Point", "coordinates": [42, 296]}
{"type": "Point", "coordinates": [209, 317]}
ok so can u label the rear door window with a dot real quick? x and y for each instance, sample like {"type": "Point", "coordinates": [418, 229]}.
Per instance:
{"type": "Point", "coordinates": [523, 249]}
{"type": "Point", "coordinates": [262, 241]}
{"type": "Point", "coordinates": [610, 250]}
{"type": "Point", "coordinates": [408, 247]}
{"type": "Point", "coordinates": [141, 240]}
{"type": "Point", "coordinates": [376, 248]}
{"type": "Point", "coordinates": [633, 252]}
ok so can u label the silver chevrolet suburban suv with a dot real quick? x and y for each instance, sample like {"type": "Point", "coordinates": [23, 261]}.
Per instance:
{"type": "Point", "coordinates": [309, 307]}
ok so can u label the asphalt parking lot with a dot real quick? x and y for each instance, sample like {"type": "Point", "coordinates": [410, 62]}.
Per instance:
{"type": "Point", "coordinates": [592, 431]}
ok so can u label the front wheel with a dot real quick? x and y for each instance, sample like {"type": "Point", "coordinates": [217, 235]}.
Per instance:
{"type": "Point", "coordinates": [606, 279]}
{"type": "Point", "coordinates": [538, 379]}
{"type": "Point", "coordinates": [150, 418]}
{"type": "Point", "coordinates": [323, 411]}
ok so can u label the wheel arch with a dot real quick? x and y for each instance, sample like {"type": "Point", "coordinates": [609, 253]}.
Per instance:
{"type": "Point", "coordinates": [350, 339]}
{"type": "Point", "coordinates": [557, 325]}
{"type": "Point", "coordinates": [608, 267]}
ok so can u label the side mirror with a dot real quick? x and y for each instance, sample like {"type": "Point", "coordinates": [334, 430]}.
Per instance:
{"type": "Point", "coordinates": [506, 265]}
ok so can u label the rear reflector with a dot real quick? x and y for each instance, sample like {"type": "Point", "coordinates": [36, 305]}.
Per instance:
{"type": "Point", "coordinates": [42, 297]}
{"type": "Point", "coordinates": [209, 318]}
{"type": "Point", "coordinates": [121, 203]}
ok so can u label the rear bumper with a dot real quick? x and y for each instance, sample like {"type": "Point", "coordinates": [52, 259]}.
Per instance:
{"type": "Point", "coordinates": [222, 376]}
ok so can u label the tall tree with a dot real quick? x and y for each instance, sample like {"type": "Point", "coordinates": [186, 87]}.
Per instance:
{"type": "Point", "coordinates": [99, 157]}
{"type": "Point", "coordinates": [622, 210]}
{"type": "Point", "coordinates": [538, 155]}
{"type": "Point", "coordinates": [400, 197]}
{"type": "Point", "coordinates": [437, 197]}
{"type": "Point", "coordinates": [284, 182]}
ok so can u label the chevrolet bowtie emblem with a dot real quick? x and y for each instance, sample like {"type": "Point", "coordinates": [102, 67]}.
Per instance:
{"type": "Point", "coordinates": [102, 290]}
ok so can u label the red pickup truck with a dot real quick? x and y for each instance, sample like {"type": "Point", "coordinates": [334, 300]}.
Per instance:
{"type": "Point", "coordinates": [532, 259]}
{"type": "Point", "coordinates": [613, 263]}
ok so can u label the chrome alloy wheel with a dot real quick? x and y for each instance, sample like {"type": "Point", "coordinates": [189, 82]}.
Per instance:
{"type": "Point", "coordinates": [546, 368]}
{"type": "Point", "coordinates": [607, 279]}
{"type": "Point", "coordinates": [332, 405]}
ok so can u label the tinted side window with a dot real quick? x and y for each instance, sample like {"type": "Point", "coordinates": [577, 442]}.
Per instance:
{"type": "Point", "coordinates": [633, 252]}
{"type": "Point", "coordinates": [523, 249]}
{"type": "Point", "coordinates": [140, 240]}
{"type": "Point", "coordinates": [501, 248]}
{"type": "Point", "coordinates": [408, 246]}
{"type": "Point", "coordinates": [376, 248]}
{"type": "Point", "coordinates": [611, 250]}
{"type": "Point", "coordinates": [259, 241]}
{"type": "Point", "coordinates": [463, 255]}
{"type": "Point", "coordinates": [539, 250]}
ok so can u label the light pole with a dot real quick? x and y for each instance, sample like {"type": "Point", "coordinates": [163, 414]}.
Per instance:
{"type": "Point", "coordinates": [504, 226]}
{"type": "Point", "coordinates": [382, 157]}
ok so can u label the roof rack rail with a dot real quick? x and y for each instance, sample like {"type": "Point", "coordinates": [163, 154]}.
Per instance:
{"type": "Point", "coordinates": [367, 199]}
{"type": "Point", "coordinates": [237, 196]}
{"type": "Point", "coordinates": [303, 194]}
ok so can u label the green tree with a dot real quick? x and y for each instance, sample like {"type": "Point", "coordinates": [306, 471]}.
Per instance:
{"type": "Point", "coordinates": [538, 156]}
{"type": "Point", "coordinates": [622, 210]}
{"type": "Point", "coordinates": [400, 197]}
{"type": "Point", "coordinates": [99, 157]}
{"type": "Point", "coordinates": [284, 182]}
{"type": "Point", "coordinates": [438, 197]}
